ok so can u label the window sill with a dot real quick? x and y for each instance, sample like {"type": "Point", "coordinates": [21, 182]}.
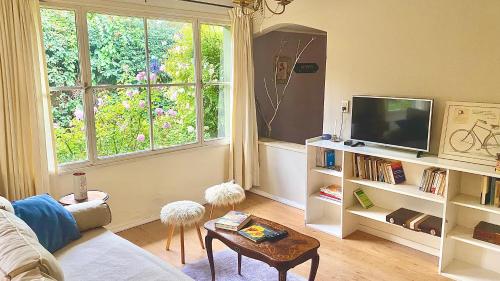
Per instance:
{"type": "Point", "coordinates": [126, 158]}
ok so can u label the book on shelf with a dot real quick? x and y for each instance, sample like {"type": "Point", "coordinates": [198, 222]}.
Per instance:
{"type": "Point", "coordinates": [377, 169]}
{"type": "Point", "coordinates": [363, 198]}
{"type": "Point", "coordinates": [259, 232]}
{"type": "Point", "coordinates": [325, 158]}
{"type": "Point", "coordinates": [497, 194]}
{"type": "Point", "coordinates": [332, 192]}
{"type": "Point", "coordinates": [401, 216]}
{"type": "Point", "coordinates": [490, 191]}
{"type": "Point", "coordinates": [487, 232]}
{"type": "Point", "coordinates": [431, 225]}
{"type": "Point", "coordinates": [233, 220]}
{"type": "Point", "coordinates": [416, 221]}
{"type": "Point", "coordinates": [497, 169]}
{"type": "Point", "coordinates": [433, 181]}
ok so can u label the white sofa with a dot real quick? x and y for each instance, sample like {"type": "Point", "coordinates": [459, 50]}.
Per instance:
{"type": "Point", "coordinates": [97, 255]}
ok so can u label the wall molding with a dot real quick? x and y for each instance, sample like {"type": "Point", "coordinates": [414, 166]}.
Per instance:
{"type": "Point", "coordinates": [278, 199]}
{"type": "Point", "coordinates": [132, 224]}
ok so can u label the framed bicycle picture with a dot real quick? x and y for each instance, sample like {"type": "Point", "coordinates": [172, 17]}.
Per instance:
{"type": "Point", "coordinates": [471, 132]}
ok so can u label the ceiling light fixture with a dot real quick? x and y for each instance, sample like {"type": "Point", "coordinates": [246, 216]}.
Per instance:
{"type": "Point", "coordinates": [251, 6]}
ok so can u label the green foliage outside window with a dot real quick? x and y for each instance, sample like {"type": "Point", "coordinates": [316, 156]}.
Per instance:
{"type": "Point", "coordinates": [118, 57]}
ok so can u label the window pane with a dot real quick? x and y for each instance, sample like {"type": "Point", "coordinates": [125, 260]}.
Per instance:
{"type": "Point", "coordinates": [61, 47]}
{"type": "Point", "coordinates": [215, 53]}
{"type": "Point", "coordinates": [121, 120]}
{"type": "Point", "coordinates": [171, 52]}
{"type": "Point", "coordinates": [174, 115]}
{"type": "Point", "coordinates": [69, 126]}
{"type": "Point", "coordinates": [216, 107]}
{"type": "Point", "coordinates": [117, 49]}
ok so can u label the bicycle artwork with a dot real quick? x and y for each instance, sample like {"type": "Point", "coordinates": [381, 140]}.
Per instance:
{"type": "Point", "coordinates": [471, 133]}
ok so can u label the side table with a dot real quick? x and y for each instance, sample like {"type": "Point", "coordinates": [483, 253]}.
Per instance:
{"type": "Point", "coordinates": [92, 195]}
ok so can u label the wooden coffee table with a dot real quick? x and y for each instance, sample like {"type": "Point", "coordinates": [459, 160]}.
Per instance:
{"type": "Point", "coordinates": [282, 254]}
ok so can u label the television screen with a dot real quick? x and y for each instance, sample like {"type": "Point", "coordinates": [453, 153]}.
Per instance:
{"type": "Point", "coordinates": [397, 122]}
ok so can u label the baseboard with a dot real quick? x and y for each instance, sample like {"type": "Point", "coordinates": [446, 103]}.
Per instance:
{"type": "Point", "coordinates": [278, 199]}
{"type": "Point", "coordinates": [131, 224]}
{"type": "Point", "coordinates": [399, 240]}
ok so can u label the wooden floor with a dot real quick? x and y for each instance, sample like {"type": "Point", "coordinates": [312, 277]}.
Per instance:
{"type": "Point", "coordinates": [358, 257]}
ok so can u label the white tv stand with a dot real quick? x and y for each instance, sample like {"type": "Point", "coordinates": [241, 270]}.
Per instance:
{"type": "Point", "coordinates": [460, 256]}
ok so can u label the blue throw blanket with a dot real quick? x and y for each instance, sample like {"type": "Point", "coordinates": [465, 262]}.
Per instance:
{"type": "Point", "coordinates": [54, 226]}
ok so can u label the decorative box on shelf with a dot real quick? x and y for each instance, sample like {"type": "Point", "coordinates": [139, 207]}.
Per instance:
{"type": "Point", "coordinates": [487, 232]}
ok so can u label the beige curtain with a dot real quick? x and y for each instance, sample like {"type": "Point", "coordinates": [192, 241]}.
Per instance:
{"type": "Point", "coordinates": [23, 94]}
{"type": "Point", "coordinates": [244, 154]}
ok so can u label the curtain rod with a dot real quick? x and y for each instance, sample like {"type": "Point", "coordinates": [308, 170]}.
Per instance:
{"type": "Point", "coordinates": [192, 1]}
{"type": "Point", "coordinates": [207, 3]}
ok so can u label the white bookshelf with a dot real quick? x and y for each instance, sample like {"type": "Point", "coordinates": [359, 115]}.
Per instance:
{"type": "Point", "coordinates": [405, 189]}
{"type": "Point", "coordinates": [464, 234]}
{"type": "Point", "coordinates": [461, 257]}
{"type": "Point", "coordinates": [324, 199]}
{"type": "Point", "coordinates": [373, 213]}
{"type": "Point", "coordinates": [470, 201]}
{"type": "Point", "coordinates": [327, 171]}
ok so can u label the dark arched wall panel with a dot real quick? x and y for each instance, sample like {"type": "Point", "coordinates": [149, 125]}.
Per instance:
{"type": "Point", "coordinates": [301, 114]}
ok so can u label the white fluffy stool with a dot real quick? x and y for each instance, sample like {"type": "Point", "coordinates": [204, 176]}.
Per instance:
{"type": "Point", "coordinates": [182, 213]}
{"type": "Point", "coordinates": [224, 194]}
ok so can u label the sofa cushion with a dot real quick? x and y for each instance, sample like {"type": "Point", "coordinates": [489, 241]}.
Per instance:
{"type": "Point", "coordinates": [20, 251]}
{"type": "Point", "coordinates": [33, 275]}
{"type": "Point", "coordinates": [6, 205]}
{"type": "Point", "coordinates": [54, 226]}
{"type": "Point", "coordinates": [90, 215]}
{"type": "Point", "coordinates": [101, 255]}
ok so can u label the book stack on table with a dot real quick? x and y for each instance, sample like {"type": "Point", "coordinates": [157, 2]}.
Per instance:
{"type": "Point", "coordinates": [233, 221]}
{"type": "Point", "coordinates": [259, 233]}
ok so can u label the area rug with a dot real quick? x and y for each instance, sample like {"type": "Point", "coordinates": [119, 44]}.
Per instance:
{"type": "Point", "coordinates": [226, 269]}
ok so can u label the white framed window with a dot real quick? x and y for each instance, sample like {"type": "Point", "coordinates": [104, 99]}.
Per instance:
{"type": "Point", "coordinates": [125, 85]}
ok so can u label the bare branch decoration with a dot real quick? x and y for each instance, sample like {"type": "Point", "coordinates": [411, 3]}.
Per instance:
{"type": "Point", "coordinates": [279, 96]}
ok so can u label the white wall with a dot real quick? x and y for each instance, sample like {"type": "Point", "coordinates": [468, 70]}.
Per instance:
{"type": "Point", "coordinates": [446, 50]}
{"type": "Point", "coordinates": [282, 172]}
{"type": "Point", "coordinates": [140, 187]}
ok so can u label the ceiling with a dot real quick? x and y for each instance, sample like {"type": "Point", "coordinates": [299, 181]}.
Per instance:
{"type": "Point", "coordinates": [220, 2]}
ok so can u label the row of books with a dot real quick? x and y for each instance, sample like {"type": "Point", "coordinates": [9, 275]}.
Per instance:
{"type": "Point", "coordinates": [490, 191]}
{"type": "Point", "coordinates": [325, 158]}
{"type": "Point", "coordinates": [332, 192]}
{"type": "Point", "coordinates": [237, 221]}
{"type": "Point", "coordinates": [377, 169]}
{"type": "Point", "coordinates": [433, 181]}
{"type": "Point", "coordinates": [416, 221]}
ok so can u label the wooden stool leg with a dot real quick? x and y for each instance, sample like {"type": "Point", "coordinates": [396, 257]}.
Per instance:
{"type": "Point", "coordinates": [239, 264]}
{"type": "Point", "coordinates": [170, 233]}
{"type": "Point", "coordinates": [182, 245]}
{"type": "Point", "coordinates": [211, 211]}
{"type": "Point", "coordinates": [199, 235]}
{"type": "Point", "coordinates": [233, 207]}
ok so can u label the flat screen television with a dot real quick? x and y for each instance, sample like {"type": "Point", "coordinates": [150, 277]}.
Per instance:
{"type": "Point", "coordinates": [397, 122]}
